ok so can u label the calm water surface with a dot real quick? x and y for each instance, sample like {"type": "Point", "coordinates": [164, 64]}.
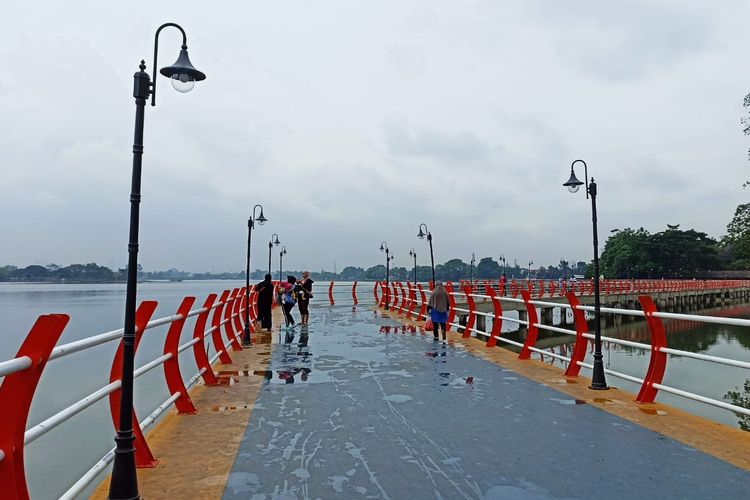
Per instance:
{"type": "Point", "coordinates": [58, 459]}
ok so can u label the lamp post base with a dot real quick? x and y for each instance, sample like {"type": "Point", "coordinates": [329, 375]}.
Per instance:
{"type": "Point", "coordinates": [598, 382]}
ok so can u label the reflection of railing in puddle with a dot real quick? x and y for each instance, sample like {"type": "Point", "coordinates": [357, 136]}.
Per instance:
{"type": "Point", "coordinates": [401, 329]}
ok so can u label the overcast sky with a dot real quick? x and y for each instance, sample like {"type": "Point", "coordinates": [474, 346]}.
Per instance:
{"type": "Point", "coordinates": [353, 122]}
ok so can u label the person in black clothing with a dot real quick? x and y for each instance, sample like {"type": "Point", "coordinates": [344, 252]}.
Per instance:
{"type": "Point", "coordinates": [289, 299]}
{"type": "Point", "coordinates": [304, 294]}
{"type": "Point", "coordinates": [265, 301]}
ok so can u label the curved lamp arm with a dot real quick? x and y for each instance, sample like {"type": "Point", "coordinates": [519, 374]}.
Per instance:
{"type": "Point", "coordinates": [156, 53]}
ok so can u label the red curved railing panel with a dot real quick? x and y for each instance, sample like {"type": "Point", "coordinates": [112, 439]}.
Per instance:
{"type": "Point", "coordinates": [403, 298]}
{"type": "Point", "coordinates": [423, 304]}
{"type": "Point", "coordinates": [533, 331]}
{"type": "Point", "coordinates": [472, 312]}
{"type": "Point", "coordinates": [658, 362]}
{"type": "Point", "coordinates": [16, 393]}
{"type": "Point", "coordinates": [354, 293]}
{"type": "Point", "coordinates": [143, 455]}
{"type": "Point", "coordinates": [216, 329]}
{"type": "Point", "coordinates": [375, 293]}
{"type": "Point", "coordinates": [199, 348]}
{"type": "Point", "coordinates": [452, 310]}
{"type": "Point", "coordinates": [579, 349]}
{"type": "Point", "coordinates": [330, 293]}
{"type": "Point", "coordinates": [172, 366]}
{"type": "Point", "coordinates": [497, 320]}
{"type": "Point", "coordinates": [412, 299]}
{"type": "Point", "coordinates": [240, 316]}
{"type": "Point", "coordinates": [229, 309]}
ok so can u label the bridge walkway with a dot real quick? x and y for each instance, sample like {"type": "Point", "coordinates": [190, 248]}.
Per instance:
{"type": "Point", "coordinates": [356, 407]}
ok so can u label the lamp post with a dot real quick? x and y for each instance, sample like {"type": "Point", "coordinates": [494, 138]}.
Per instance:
{"type": "Point", "coordinates": [388, 258]}
{"type": "Point", "coordinates": [246, 341]}
{"type": "Point", "coordinates": [124, 482]}
{"type": "Point", "coordinates": [421, 235]}
{"type": "Point", "coordinates": [598, 380]}
{"type": "Point", "coordinates": [282, 253]}
{"type": "Point", "coordinates": [515, 265]}
{"type": "Point", "coordinates": [502, 257]}
{"type": "Point", "coordinates": [273, 241]}
{"type": "Point", "coordinates": [528, 276]}
{"type": "Point", "coordinates": [412, 253]}
{"type": "Point", "coordinates": [471, 270]}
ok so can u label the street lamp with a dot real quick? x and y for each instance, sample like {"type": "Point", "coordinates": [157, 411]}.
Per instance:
{"type": "Point", "coordinates": [598, 380]}
{"type": "Point", "coordinates": [471, 270]}
{"type": "Point", "coordinates": [388, 259]}
{"type": "Point", "coordinates": [124, 482]}
{"type": "Point", "coordinates": [502, 257]}
{"type": "Point", "coordinates": [421, 235]}
{"type": "Point", "coordinates": [273, 241]}
{"type": "Point", "coordinates": [282, 253]}
{"type": "Point", "coordinates": [528, 276]}
{"type": "Point", "coordinates": [412, 253]}
{"type": "Point", "coordinates": [260, 219]}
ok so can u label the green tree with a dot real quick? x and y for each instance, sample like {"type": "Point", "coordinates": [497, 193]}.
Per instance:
{"type": "Point", "coordinates": [737, 239]}
{"type": "Point", "coordinates": [627, 254]}
{"type": "Point", "coordinates": [352, 273]}
{"type": "Point", "coordinates": [375, 272]}
{"type": "Point", "coordinates": [488, 268]}
{"type": "Point", "coordinates": [453, 270]}
{"type": "Point", "coordinates": [678, 253]}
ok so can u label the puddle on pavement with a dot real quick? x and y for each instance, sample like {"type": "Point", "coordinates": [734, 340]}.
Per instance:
{"type": "Point", "coordinates": [569, 401]}
{"type": "Point", "coordinates": [400, 329]}
{"type": "Point", "coordinates": [602, 400]}
{"type": "Point", "coordinates": [435, 354]}
{"type": "Point", "coordinates": [653, 411]}
{"type": "Point", "coordinates": [230, 408]}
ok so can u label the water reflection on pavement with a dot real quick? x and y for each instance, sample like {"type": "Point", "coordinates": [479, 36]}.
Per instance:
{"type": "Point", "coordinates": [355, 406]}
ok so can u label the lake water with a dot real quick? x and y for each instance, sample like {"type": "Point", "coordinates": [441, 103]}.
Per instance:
{"type": "Point", "coordinates": [59, 458]}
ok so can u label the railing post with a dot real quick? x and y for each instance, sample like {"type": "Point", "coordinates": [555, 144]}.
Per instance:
{"type": "Point", "coordinates": [533, 331]}
{"type": "Point", "coordinates": [452, 309]}
{"type": "Point", "coordinates": [658, 361]}
{"type": "Point", "coordinates": [375, 293]}
{"type": "Point", "coordinates": [330, 293]}
{"type": "Point", "coordinates": [172, 366]}
{"type": "Point", "coordinates": [216, 330]}
{"type": "Point", "coordinates": [497, 320]}
{"type": "Point", "coordinates": [16, 394]}
{"type": "Point", "coordinates": [199, 348]}
{"type": "Point", "coordinates": [143, 455]}
{"type": "Point", "coordinates": [354, 293]}
{"type": "Point", "coordinates": [472, 312]}
{"type": "Point", "coordinates": [579, 349]}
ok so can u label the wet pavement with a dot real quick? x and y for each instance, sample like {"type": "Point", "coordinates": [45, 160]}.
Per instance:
{"type": "Point", "coordinates": [356, 406]}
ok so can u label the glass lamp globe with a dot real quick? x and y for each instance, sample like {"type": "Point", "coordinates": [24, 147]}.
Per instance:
{"type": "Point", "coordinates": [573, 188]}
{"type": "Point", "coordinates": [182, 82]}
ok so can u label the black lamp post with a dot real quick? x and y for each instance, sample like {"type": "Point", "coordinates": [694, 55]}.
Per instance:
{"type": "Point", "coordinates": [246, 341]}
{"type": "Point", "coordinates": [124, 483]}
{"type": "Point", "coordinates": [471, 270]}
{"type": "Point", "coordinates": [528, 276]}
{"type": "Point", "coordinates": [598, 380]}
{"type": "Point", "coordinates": [414, 254]}
{"type": "Point", "coordinates": [282, 253]}
{"type": "Point", "coordinates": [273, 241]}
{"type": "Point", "coordinates": [388, 258]}
{"type": "Point", "coordinates": [421, 235]}
{"type": "Point", "coordinates": [502, 258]}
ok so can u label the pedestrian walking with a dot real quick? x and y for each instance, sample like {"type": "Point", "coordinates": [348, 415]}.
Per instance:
{"type": "Point", "coordinates": [265, 302]}
{"type": "Point", "coordinates": [288, 299]}
{"type": "Point", "coordinates": [438, 309]}
{"type": "Point", "coordinates": [304, 294]}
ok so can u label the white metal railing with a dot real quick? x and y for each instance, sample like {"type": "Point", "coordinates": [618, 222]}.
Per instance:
{"type": "Point", "coordinates": [606, 310]}
{"type": "Point", "coordinates": [33, 433]}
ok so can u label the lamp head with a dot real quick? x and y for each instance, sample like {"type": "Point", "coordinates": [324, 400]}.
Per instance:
{"type": "Point", "coordinates": [382, 247]}
{"type": "Point", "coordinates": [421, 234]}
{"type": "Point", "coordinates": [261, 218]}
{"type": "Point", "coordinates": [276, 239]}
{"type": "Point", "coordinates": [182, 73]}
{"type": "Point", "coordinates": [573, 183]}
